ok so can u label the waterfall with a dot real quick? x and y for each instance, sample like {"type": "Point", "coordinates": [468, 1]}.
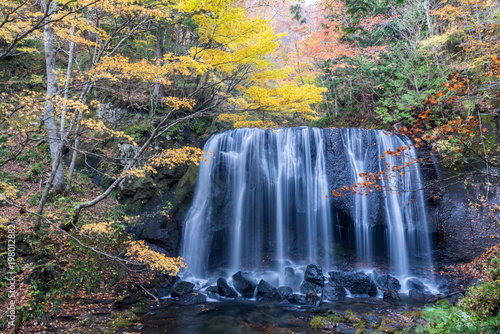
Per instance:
{"type": "Point", "coordinates": [265, 197]}
{"type": "Point", "coordinates": [358, 162]}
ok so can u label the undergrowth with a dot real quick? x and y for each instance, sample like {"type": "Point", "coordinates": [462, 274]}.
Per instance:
{"type": "Point", "coordinates": [477, 312]}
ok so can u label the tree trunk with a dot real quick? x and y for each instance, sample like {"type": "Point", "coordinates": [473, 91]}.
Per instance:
{"type": "Point", "coordinates": [66, 95]}
{"type": "Point", "coordinates": [428, 17]}
{"type": "Point", "coordinates": [159, 90]}
{"type": "Point", "coordinates": [49, 112]}
{"type": "Point", "coordinates": [335, 96]}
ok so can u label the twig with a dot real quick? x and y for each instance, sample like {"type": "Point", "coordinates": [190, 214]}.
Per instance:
{"type": "Point", "coordinates": [147, 292]}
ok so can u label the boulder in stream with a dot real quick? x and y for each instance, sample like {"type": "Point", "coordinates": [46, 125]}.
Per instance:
{"type": "Point", "coordinates": [224, 289]}
{"type": "Point", "coordinates": [297, 299]}
{"type": "Point", "coordinates": [245, 283]}
{"type": "Point", "coordinates": [305, 287]}
{"type": "Point", "coordinates": [415, 284]}
{"type": "Point", "coordinates": [285, 292]}
{"type": "Point", "coordinates": [180, 288]}
{"type": "Point", "coordinates": [314, 275]}
{"type": "Point", "coordinates": [333, 291]}
{"type": "Point", "coordinates": [392, 297]}
{"type": "Point", "coordinates": [388, 282]}
{"type": "Point", "coordinates": [265, 291]}
{"type": "Point", "coordinates": [357, 283]}
{"type": "Point", "coordinates": [192, 298]}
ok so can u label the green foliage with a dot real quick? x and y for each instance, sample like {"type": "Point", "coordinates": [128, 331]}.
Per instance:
{"type": "Point", "coordinates": [175, 132]}
{"type": "Point", "coordinates": [36, 171]}
{"type": "Point", "coordinates": [482, 300]}
{"type": "Point", "coordinates": [4, 150]}
{"type": "Point", "coordinates": [406, 79]}
{"type": "Point", "coordinates": [138, 130]}
{"type": "Point", "coordinates": [477, 312]}
{"type": "Point", "coordinates": [494, 270]}
{"type": "Point", "coordinates": [444, 318]}
{"type": "Point", "coordinates": [318, 322]}
{"type": "Point", "coordinates": [165, 210]}
{"type": "Point", "coordinates": [35, 199]}
{"type": "Point", "coordinates": [200, 125]}
{"type": "Point", "coordinates": [123, 320]}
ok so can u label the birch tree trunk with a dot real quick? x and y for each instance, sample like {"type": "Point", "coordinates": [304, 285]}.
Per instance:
{"type": "Point", "coordinates": [49, 109]}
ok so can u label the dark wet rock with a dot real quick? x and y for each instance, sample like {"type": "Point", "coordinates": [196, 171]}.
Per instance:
{"type": "Point", "coordinates": [373, 301]}
{"type": "Point", "coordinates": [297, 299]}
{"type": "Point", "coordinates": [181, 288]}
{"type": "Point", "coordinates": [213, 289]}
{"type": "Point", "coordinates": [429, 297]}
{"type": "Point", "coordinates": [169, 281]}
{"type": "Point", "coordinates": [314, 275]}
{"type": "Point", "coordinates": [244, 283]}
{"type": "Point", "coordinates": [163, 292]}
{"type": "Point", "coordinates": [433, 298]}
{"type": "Point", "coordinates": [185, 187]}
{"type": "Point", "coordinates": [294, 309]}
{"type": "Point", "coordinates": [213, 295]}
{"type": "Point", "coordinates": [289, 276]}
{"type": "Point", "coordinates": [192, 299]}
{"type": "Point", "coordinates": [357, 283]}
{"type": "Point", "coordinates": [322, 310]}
{"type": "Point", "coordinates": [333, 291]}
{"type": "Point", "coordinates": [344, 329]}
{"type": "Point", "coordinates": [224, 289]}
{"type": "Point", "coordinates": [415, 284]}
{"type": "Point", "coordinates": [305, 287]}
{"type": "Point", "coordinates": [458, 242]}
{"type": "Point", "coordinates": [392, 297]}
{"type": "Point", "coordinates": [417, 290]}
{"type": "Point", "coordinates": [388, 282]}
{"type": "Point", "coordinates": [446, 284]}
{"type": "Point", "coordinates": [312, 298]}
{"type": "Point", "coordinates": [416, 294]}
{"type": "Point", "coordinates": [373, 331]}
{"type": "Point", "coordinates": [453, 300]}
{"type": "Point", "coordinates": [265, 291]}
{"type": "Point", "coordinates": [337, 277]}
{"type": "Point", "coordinates": [291, 323]}
{"type": "Point", "coordinates": [371, 319]}
{"type": "Point", "coordinates": [285, 292]}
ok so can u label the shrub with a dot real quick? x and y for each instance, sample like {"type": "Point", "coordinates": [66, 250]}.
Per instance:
{"type": "Point", "coordinates": [483, 300]}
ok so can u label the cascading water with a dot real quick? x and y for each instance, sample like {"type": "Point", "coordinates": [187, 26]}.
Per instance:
{"type": "Point", "coordinates": [358, 161]}
{"type": "Point", "coordinates": [263, 197]}
{"type": "Point", "coordinates": [263, 194]}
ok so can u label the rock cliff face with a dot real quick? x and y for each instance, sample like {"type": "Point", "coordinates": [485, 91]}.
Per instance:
{"type": "Point", "coordinates": [462, 213]}
{"type": "Point", "coordinates": [462, 228]}
{"type": "Point", "coordinates": [161, 202]}
{"type": "Point", "coordinates": [463, 222]}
